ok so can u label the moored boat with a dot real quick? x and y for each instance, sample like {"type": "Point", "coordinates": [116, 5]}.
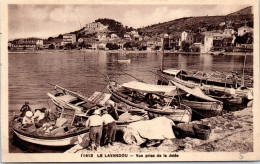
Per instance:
{"type": "Point", "coordinates": [197, 100]}
{"type": "Point", "coordinates": [221, 86]}
{"type": "Point", "coordinates": [122, 60]}
{"type": "Point", "coordinates": [155, 99]}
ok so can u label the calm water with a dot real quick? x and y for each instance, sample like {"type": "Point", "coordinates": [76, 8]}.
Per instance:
{"type": "Point", "coordinates": [28, 73]}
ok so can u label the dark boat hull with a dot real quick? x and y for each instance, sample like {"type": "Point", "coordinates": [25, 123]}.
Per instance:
{"type": "Point", "coordinates": [177, 115]}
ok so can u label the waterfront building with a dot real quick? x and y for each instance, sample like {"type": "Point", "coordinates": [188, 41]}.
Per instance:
{"type": "Point", "coordinates": [26, 44]}
{"type": "Point", "coordinates": [222, 40]}
{"type": "Point", "coordinates": [199, 38]}
{"type": "Point", "coordinates": [208, 43]}
{"type": "Point", "coordinates": [57, 42]}
{"type": "Point", "coordinates": [68, 38]}
{"type": "Point", "coordinates": [184, 35]}
{"type": "Point", "coordinates": [190, 38]}
{"type": "Point", "coordinates": [101, 45]}
{"type": "Point", "coordinates": [175, 40]}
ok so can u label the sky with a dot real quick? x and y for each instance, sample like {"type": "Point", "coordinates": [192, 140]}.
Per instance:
{"type": "Point", "coordinates": [45, 21]}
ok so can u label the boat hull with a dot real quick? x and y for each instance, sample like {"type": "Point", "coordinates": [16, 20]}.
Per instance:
{"type": "Point", "coordinates": [205, 109]}
{"type": "Point", "coordinates": [247, 93]}
{"type": "Point", "coordinates": [61, 104]}
{"type": "Point", "coordinates": [176, 115]}
{"type": "Point", "coordinates": [183, 116]}
{"type": "Point", "coordinates": [51, 142]}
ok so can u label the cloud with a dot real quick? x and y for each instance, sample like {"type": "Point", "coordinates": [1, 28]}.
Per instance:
{"type": "Point", "coordinates": [63, 14]}
{"type": "Point", "coordinates": [51, 20]}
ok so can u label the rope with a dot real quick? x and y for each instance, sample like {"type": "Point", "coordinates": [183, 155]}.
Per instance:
{"type": "Point", "coordinates": [104, 87]}
{"type": "Point", "coordinates": [48, 102]}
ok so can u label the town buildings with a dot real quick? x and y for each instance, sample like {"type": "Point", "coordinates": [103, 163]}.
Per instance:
{"type": "Point", "coordinates": [26, 44]}
{"type": "Point", "coordinates": [95, 26]}
{"type": "Point", "coordinates": [203, 41]}
{"type": "Point", "coordinates": [68, 38]}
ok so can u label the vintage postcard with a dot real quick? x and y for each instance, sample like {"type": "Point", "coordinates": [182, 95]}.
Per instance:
{"type": "Point", "coordinates": [129, 81]}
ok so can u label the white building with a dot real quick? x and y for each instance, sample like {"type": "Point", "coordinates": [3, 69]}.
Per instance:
{"type": "Point", "coordinates": [229, 31]}
{"type": "Point", "coordinates": [95, 26]}
{"type": "Point", "coordinates": [113, 36]}
{"type": "Point", "coordinates": [68, 38]}
{"type": "Point", "coordinates": [184, 35]}
{"type": "Point", "coordinates": [243, 30]}
{"type": "Point", "coordinates": [39, 43]}
{"type": "Point", "coordinates": [208, 43]}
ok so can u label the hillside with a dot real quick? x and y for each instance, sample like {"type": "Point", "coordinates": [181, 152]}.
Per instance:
{"type": "Point", "coordinates": [245, 11]}
{"type": "Point", "coordinates": [196, 24]}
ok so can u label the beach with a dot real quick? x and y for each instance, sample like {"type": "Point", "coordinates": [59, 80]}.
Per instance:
{"type": "Point", "coordinates": [232, 132]}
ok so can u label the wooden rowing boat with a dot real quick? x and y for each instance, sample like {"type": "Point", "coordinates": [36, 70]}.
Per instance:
{"type": "Point", "coordinates": [134, 93]}
{"type": "Point", "coordinates": [77, 101]}
{"type": "Point", "coordinates": [54, 141]}
{"type": "Point", "coordinates": [196, 99]}
{"type": "Point", "coordinates": [225, 89]}
{"type": "Point", "coordinates": [122, 60]}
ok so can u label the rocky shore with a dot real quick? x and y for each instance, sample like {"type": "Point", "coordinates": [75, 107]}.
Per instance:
{"type": "Point", "coordinates": [232, 132]}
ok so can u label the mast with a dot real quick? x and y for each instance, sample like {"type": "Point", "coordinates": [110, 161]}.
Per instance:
{"type": "Point", "coordinates": [243, 75]}
{"type": "Point", "coordinates": [162, 62]}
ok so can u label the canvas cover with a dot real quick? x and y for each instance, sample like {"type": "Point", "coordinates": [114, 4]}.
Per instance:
{"type": "Point", "coordinates": [149, 88]}
{"type": "Point", "coordinates": [99, 98]}
{"type": "Point", "coordinates": [67, 98]}
{"type": "Point", "coordinates": [159, 128]}
{"type": "Point", "coordinates": [194, 91]}
{"type": "Point", "coordinates": [172, 71]}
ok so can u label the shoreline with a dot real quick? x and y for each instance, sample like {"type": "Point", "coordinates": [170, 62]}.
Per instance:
{"type": "Point", "coordinates": [231, 132]}
{"type": "Point", "coordinates": [131, 52]}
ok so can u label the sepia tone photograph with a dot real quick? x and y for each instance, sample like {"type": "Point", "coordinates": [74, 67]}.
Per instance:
{"type": "Point", "coordinates": [129, 82]}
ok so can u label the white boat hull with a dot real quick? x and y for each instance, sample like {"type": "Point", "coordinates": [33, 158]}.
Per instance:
{"type": "Point", "coordinates": [50, 142]}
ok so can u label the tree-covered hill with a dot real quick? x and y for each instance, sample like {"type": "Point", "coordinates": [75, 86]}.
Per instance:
{"type": "Point", "coordinates": [196, 24]}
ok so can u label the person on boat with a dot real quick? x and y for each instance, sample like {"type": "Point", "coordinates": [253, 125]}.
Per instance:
{"type": "Point", "coordinates": [149, 99]}
{"type": "Point", "coordinates": [235, 81]}
{"type": "Point", "coordinates": [28, 120]}
{"type": "Point", "coordinates": [111, 108]}
{"type": "Point", "coordinates": [95, 123]}
{"type": "Point", "coordinates": [109, 128]}
{"type": "Point", "coordinates": [24, 109]}
{"type": "Point", "coordinates": [40, 117]}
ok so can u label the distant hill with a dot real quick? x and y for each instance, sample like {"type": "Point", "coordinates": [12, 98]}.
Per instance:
{"type": "Point", "coordinates": [196, 24]}
{"type": "Point", "coordinates": [245, 11]}
{"type": "Point", "coordinates": [114, 26]}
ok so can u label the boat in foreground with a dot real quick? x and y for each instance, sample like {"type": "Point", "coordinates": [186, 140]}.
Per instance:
{"type": "Point", "coordinates": [52, 141]}
{"type": "Point", "coordinates": [81, 104]}
{"type": "Point", "coordinates": [157, 100]}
